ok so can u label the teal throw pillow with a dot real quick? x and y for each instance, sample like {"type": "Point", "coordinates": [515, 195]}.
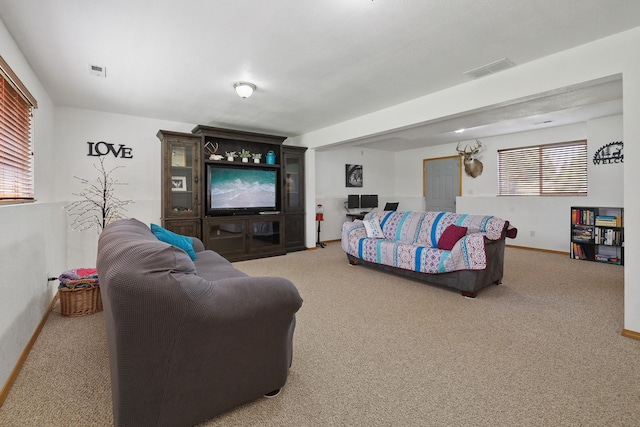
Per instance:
{"type": "Point", "coordinates": [178, 240]}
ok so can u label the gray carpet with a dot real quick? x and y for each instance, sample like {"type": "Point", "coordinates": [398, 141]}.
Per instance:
{"type": "Point", "coordinates": [373, 349]}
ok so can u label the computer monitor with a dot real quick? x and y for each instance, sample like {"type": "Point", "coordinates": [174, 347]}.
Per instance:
{"type": "Point", "coordinates": [353, 201]}
{"type": "Point", "coordinates": [391, 206]}
{"type": "Point", "coordinates": [368, 201]}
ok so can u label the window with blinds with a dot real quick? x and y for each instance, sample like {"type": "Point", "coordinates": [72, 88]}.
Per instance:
{"type": "Point", "coordinates": [16, 165]}
{"type": "Point", "coordinates": [546, 170]}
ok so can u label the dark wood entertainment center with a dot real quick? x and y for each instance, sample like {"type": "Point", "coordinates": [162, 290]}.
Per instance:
{"type": "Point", "coordinates": [235, 234]}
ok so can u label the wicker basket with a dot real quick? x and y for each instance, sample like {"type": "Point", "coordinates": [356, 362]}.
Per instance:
{"type": "Point", "coordinates": [78, 301]}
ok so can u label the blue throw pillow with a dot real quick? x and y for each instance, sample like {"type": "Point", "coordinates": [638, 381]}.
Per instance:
{"type": "Point", "coordinates": [178, 240]}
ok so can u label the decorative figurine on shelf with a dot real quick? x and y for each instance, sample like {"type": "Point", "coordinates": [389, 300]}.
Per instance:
{"type": "Point", "coordinates": [212, 150]}
{"type": "Point", "coordinates": [256, 157]}
{"type": "Point", "coordinates": [244, 155]}
{"type": "Point", "coordinates": [271, 158]}
{"type": "Point", "coordinates": [231, 155]}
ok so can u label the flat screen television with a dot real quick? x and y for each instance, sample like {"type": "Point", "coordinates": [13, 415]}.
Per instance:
{"type": "Point", "coordinates": [368, 201]}
{"type": "Point", "coordinates": [237, 190]}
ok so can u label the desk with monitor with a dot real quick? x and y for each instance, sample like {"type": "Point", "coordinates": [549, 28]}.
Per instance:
{"type": "Point", "coordinates": [355, 216]}
{"type": "Point", "coordinates": [357, 201]}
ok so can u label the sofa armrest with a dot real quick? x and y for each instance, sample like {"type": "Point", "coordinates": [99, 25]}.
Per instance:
{"type": "Point", "coordinates": [352, 232]}
{"type": "Point", "coordinates": [238, 334]}
{"type": "Point", "coordinates": [252, 297]}
{"type": "Point", "coordinates": [469, 253]}
{"type": "Point", "coordinates": [198, 246]}
{"type": "Point", "coordinates": [185, 357]}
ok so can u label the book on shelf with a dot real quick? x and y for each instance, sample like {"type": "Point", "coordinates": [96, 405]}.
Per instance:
{"type": "Point", "coordinates": [607, 236]}
{"type": "Point", "coordinates": [582, 234]}
{"type": "Point", "coordinates": [606, 258]}
{"type": "Point", "coordinates": [578, 251]}
{"type": "Point", "coordinates": [582, 216]}
{"type": "Point", "coordinates": [608, 221]}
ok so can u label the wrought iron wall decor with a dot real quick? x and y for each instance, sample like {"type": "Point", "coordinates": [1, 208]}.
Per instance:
{"type": "Point", "coordinates": [610, 153]}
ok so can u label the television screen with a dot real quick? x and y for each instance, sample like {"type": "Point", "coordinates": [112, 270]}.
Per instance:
{"type": "Point", "coordinates": [369, 201]}
{"type": "Point", "coordinates": [353, 201]}
{"type": "Point", "coordinates": [240, 188]}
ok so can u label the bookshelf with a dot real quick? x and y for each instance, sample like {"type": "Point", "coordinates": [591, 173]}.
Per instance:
{"type": "Point", "coordinates": [597, 234]}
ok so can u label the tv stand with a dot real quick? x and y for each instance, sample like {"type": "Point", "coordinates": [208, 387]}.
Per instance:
{"type": "Point", "coordinates": [242, 234]}
{"type": "Point", "coordinates": [244, 237]}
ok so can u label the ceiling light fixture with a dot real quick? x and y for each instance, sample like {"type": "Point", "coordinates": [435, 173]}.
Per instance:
{"type": "Point", "coordinates": [459, 130]}
{"type": "Point", "coordinates": [244, 89]}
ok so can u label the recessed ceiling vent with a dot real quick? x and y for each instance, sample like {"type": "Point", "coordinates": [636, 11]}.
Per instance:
{"type": "Point", "coordinates": [98, 70]}
{"type": "Point", "coordinates": [493, 67]}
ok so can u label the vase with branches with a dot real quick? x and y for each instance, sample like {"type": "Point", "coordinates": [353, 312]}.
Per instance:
{"type": "Point", "coordinates": [98, 205]}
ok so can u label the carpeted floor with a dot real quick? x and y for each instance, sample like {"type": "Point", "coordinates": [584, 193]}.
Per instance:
{"type": "Point", "coordinates": [373, 349]}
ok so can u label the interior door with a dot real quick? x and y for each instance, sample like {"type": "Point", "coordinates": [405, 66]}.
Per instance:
{"type": "Point", "coordinates": [441, 183]}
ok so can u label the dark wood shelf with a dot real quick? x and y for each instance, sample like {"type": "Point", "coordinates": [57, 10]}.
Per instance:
{"type": "Point", "coordinates": [288, 232]}
{"type": "Point", "coordinates": [597, 234]}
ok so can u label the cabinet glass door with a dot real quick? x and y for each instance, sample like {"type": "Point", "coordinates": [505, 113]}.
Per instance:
{"type": "Point", "coordinates": [293, 183]}
{"type": "Point", "coordinates": [265, 235]}
{"type": "Point", "coordinates": [225, 236]}
{"type": "Point", "coordinates": [183, 198]}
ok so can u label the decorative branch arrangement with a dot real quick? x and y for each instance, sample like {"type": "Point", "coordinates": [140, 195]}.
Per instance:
{"type": "Point", "coordinates": [98, 205]}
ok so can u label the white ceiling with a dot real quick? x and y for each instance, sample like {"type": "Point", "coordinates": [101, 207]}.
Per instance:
{"type": "Point", "coordinates": [315, 63]}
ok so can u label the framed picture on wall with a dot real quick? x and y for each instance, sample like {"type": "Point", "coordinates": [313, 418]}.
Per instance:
{"type": "Point", "coordinates": [354, 176]}
{"type": "Point", "coordinates": [178, 183]}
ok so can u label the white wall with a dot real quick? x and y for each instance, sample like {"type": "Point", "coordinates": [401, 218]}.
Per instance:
{"type": "Point", "coordinates": [610, 56]}
{"type": "Point", "coordinates": [330, 183]}
{"type": "Point", "coordinates": [543, 222]}
{"type": "Point", "coordinates": [31, 235]}
{"type": "Point", "coordinates": [139, 176]}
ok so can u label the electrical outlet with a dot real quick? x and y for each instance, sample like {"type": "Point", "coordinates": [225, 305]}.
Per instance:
{"type": "Point", "coordinates": [50, 277]}
{"type": "Point", "coordinates": [532, 233]}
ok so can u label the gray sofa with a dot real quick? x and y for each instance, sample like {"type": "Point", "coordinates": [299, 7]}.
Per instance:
{"type": "Point", "coordinates": [187, 339]}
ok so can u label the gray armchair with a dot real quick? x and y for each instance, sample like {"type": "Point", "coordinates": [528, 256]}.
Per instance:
{"type": "Point", "coordinates": [187, 339]}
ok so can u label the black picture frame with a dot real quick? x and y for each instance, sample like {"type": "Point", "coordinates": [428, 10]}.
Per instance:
{"type": "Point", "coordinates": [354, 175]}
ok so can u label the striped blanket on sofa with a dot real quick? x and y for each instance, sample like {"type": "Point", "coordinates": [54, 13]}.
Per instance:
{"type": "Point", "coordinates": [410, 240]}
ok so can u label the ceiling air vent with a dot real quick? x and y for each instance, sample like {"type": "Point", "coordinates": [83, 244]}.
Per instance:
{"type": "Point", "coordinates": [493, 67]}
{"type": "Point", "coordinates": [98, 70]}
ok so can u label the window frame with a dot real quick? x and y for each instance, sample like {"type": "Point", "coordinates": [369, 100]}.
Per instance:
{"type": "Point", "coordinates": [544, 177]}
{"type": "Point", "coordinates": [16, 143]}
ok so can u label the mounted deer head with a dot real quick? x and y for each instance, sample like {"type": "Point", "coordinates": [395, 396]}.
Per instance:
{"type": "Point", "coordinates": [472, 166]}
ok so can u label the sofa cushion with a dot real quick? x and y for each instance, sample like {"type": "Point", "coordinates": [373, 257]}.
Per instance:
{"type": "Point", "coordinates": [398, 226]}
{"type": "Point", "coordinates": [183, 242]}
{"type": "Point", "coordinates": [450, 236]}
{"type": "Point", "coordinates": [373, 228]}
{"type": "Point", "coordinates": [157, 264]}
{"type": "Point", "coordinates": [212, 266]}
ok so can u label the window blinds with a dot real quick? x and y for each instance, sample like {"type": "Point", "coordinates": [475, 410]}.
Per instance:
{"type": "Point", "coordinates": [16, 104]}
{"type": "Point", "coordinates": [548, 170]}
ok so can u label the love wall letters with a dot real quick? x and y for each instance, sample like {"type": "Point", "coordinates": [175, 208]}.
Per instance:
{"type": "Point", "coordinates": [97, 149]}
